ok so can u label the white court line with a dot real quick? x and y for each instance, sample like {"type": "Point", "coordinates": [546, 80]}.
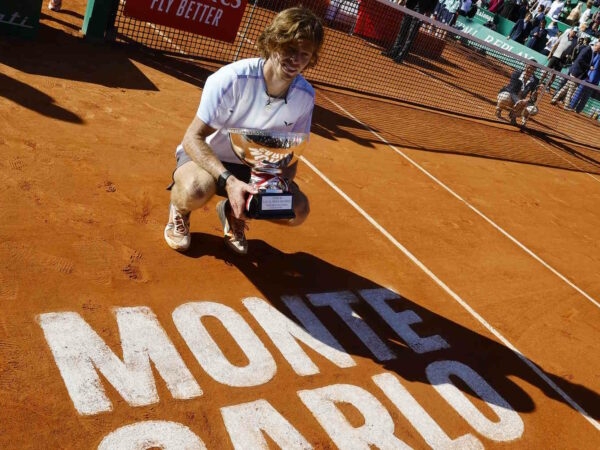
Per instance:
{"type": "Point", "coordinates": [565, 159]}
{"type": "Point", "coordinates": [472, 208]}
{"type": "Point", "coordinates": [440, 283]}
{"type": "Point", "coordinates": [165, 38]}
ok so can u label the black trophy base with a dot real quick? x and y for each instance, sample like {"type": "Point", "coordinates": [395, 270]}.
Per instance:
{"type": "Point", "coordinates": [270, 206]}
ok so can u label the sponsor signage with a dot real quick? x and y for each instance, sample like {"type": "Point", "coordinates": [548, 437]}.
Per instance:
{"type": "Point", "coordinates": [217, 19]}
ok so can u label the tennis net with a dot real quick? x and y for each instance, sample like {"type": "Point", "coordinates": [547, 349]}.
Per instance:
{"type": "Point", "coordinates": [445, 69]}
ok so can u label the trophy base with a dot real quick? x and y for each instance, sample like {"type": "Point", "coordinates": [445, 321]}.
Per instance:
{"type": "Point", "coordinates": [270, 206]}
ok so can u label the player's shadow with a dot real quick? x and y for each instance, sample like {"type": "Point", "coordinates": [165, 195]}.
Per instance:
{"type": "Point", "coordinates": [59, 55]}
{"type": "Point", "coordinates": [276, 274]}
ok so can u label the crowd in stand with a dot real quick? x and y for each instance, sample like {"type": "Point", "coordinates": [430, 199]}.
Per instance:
{"type": "Point", "coordinates": [577, 49]}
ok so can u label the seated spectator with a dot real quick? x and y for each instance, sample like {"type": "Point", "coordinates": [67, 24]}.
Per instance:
{"type": "Point", "coordinates": [519, 96]}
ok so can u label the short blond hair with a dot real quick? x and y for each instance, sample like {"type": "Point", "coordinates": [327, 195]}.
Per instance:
{"type": "Point", "coordinates": [287, 28]}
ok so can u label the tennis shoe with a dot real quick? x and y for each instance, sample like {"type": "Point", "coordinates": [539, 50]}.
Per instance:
{"type": "Point", "coordinates": [177, 231]}
{"type": "Point", "coordinates": [234, 230]}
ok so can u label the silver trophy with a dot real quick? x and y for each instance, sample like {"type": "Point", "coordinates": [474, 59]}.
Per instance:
{"type": "Point", "coordinates": [267, 153]}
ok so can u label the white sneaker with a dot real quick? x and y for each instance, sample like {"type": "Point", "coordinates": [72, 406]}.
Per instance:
{"type": "Point", "coordinates": [234, 230]}
{"type": "Point", "coordinates": [177, 231]}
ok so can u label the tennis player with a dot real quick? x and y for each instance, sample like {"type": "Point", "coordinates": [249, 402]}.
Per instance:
{"type": "Point", "coordinates": [267, 93]}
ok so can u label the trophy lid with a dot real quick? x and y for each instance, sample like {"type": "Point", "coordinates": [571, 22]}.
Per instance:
{"type": "Point", "coordinates": [267, 149]}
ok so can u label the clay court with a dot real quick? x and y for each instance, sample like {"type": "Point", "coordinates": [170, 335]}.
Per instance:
{"type": "Point", "coordinates": [446, 283]}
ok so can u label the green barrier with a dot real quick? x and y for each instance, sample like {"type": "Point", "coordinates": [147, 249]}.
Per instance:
{"type": "Point", "coordinates": [483, 16]}
{"type": "Point", "coordinates": [476, 29]}
{"type": "Point", "coordinates": [20, 17]}
{"type": "Point", "coordinates": [99, 16]}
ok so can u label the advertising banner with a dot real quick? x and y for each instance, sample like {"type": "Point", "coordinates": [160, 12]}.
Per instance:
{"type": "Point", "coordinates": [491, 37]}
{"type": "Point", "coordinates": [20, 17]}
{"type": "Point", "coordinates": [217, 19]}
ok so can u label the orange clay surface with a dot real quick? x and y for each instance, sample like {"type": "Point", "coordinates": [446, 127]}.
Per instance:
{"type": "Point", "coordinates": [488, 236]}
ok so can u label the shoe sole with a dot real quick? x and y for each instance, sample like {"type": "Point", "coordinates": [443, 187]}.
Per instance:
{"type": "Point", "coordinates": [225, 223]}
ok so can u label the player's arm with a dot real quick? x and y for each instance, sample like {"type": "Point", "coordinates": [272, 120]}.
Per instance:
{"type": "Point", "coordinates": [195, 145]}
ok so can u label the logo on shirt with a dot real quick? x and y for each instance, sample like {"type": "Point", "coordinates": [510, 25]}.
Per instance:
{"type": "Point", "coordinates": [288, 124]}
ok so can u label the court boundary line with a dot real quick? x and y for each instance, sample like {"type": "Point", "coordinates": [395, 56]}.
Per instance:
{"type": "Point", "coordinates": [436, 279]}
{"type": "Point", "coordinates": [470, 206]}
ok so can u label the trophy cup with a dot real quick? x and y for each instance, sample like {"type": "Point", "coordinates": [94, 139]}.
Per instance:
{"type": "Point", "coordinates": [267, 153]}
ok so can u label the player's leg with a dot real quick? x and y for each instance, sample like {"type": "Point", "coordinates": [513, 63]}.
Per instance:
{"type": "Point", "coordinates": [192, 187]}
{"type": "Point", "coordinates": [505, 101]}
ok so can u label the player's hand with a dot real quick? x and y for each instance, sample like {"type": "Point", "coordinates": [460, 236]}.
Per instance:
{"type": "Point", "coordinates": [237, 193]}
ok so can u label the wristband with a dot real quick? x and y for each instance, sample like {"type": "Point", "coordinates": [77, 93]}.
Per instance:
{"type": "Point", "coordinates": [222, 180]}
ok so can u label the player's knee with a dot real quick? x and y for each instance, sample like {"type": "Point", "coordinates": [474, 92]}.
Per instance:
{"type": "Point", "coordinates": [191, 191]}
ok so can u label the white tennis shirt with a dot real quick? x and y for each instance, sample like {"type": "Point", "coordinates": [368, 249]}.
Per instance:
{"type": "Point", "coordinates": [235, 96]}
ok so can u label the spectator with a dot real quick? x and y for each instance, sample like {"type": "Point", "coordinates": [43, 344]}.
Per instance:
{"type": "Point", "coordinates": [596, 18]}
{"type": "Point", "coordinates": [538, 16]}
{"type": "Point", "coordinates": [521, 86]}
{"type": "Point", "coordinates": [537, 37]}
{"type": "Point", "coordinates": [575, 14]}
{"type": "Point", "coordinates": [439, 10]}
{"type": "Point", "coordinates": [583, 31]}
{"type": "Point", "coordinates": [559, 53]}
{"type": "Point", "coordinates": [508, 9]}
{"type": "Point", "coordinates": [451, 11]}
{"type": "Point", "coordinates": [583, 93]}
{"type": "Point", "coordinates": [521, 29]}
{"type": "Point", "coordinates": [267, 93]}
{"type": "Point", "coordinates": [546, 4]}
{"type": "Point", "coordinates": [408, 29]}
{"type": "Point", "coordinates": [495, 6]}
{"type": "Point", "coordinates": [578, 69]}
{"type": "Point", "coordinates": [550, 43]}
{"type": "Point", "coordinates": [520, 11]}
{"type": "Point", "coordinates": [555, 9]}
{"type": "Point", "coordinates": [55, 5]}
{"type": "Point", "coordinates": [586, 16]}
{"type": "Point", "coordinates": [465, 7]}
